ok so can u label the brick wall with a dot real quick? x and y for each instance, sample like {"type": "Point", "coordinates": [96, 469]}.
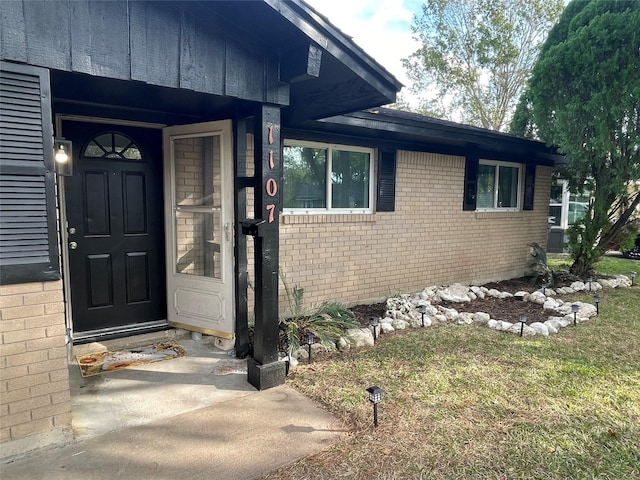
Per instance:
{"type": "Point", "coordinates": [428, 240]}
{"type": "Point", "coordinates": [35, 404]}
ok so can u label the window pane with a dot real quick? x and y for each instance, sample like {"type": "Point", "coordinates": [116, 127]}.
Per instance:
{"type": "Point", "coordinates": [349, 179]}
{"type": "Point", "coordinates": [305, 177]}
{"type": "Point", "coordinates": [508, 187]}
{"type": "Point", "coordinates": [555, 211]}
{"type": "Point", "coordinates": [198, 240]}
{"type": "Point", "coordinates": [486, 180]}
{"type": "Point", "coordinates": [197, 171]}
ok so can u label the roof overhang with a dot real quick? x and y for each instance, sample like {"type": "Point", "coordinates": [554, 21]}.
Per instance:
{"type": "Point", "coordinates": [412, 131]}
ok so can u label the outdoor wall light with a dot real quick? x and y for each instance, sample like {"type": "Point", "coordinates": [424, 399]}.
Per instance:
{"type": "Point", "coordinates": [311, 339]}
{"type": "Point", "coordinates": [633, 278]}
{"type": "Point", "coordinates": [423, 310]}
{"type": "Point", "coordinates": [375, 397]}
{"type": "Point", "coordinates": [574, 308]}
{"type": "Point", "coordinates": [596, 300]}
{"type": "Point", "coordinates": [374, 322]}
{"type": "Point", "coordinates": [62, 154]}
{"type": "Point", "coordinates": [522, 319]}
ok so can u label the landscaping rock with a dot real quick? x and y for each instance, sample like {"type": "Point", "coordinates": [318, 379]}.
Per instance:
{"type": "Point", "coordinates": [398, 325]}
{"type": "Point", "coordinates": [464, 318]}
{"type": "Point", "coordinates": [481, 318]}
{"type": "Point", "coordinates": [551, 327]}
{"type": "Point", "coordinates": [550, 305]}
{"type": "Point", "coordinates": [387, 328]}
{"type": "Point", "coordinates": [493, 324]}
{"type": "Point", "coordinates": [540, 328]}
{"type": "Point", "coordinates": [523, 296]}
{"type": "Point", "coordinates": [361, 337]}
{"type": "Point", "coordinates": [578, 286]}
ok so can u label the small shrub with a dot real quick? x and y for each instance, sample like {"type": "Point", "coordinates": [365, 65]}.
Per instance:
{"type": "Point", "coordinates": [327, 321]}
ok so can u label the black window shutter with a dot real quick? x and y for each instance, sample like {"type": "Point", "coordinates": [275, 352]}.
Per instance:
{"type": "Point", "coordinates": [386, 198]}
{"type": "Point", "coordinates": [470, 183]}
{"type": "Point", "coordinates": [529, 187]}
{"type": "Point", "coordinates": [28, 236]}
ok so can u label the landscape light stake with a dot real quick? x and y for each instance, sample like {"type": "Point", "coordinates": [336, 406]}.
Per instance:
{"type": "Point", "coordinates": [574, 308]}
{"type": "Point", "coordinates": [633, 278]}
{"type": "Point", "coordinates": [374, 322]}
{"type": "Point", "coordinates": [311, 338]}
{"type": "Point", "coordinates": [375, 397]}
{"type": "Point", "coordinates": [589, 280]}
{"type": "Point", "coordinates": [522, 319]}
{"type": "Point", "coordinates": [596, 299]}
{"type": "Point", "coordinates": [423, 310]}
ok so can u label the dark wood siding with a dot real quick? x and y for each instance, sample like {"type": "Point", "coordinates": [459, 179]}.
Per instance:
{"type": "Point", "coordinates": [28, 239]}
{"type": "Point", "coordinates": [169, 44]}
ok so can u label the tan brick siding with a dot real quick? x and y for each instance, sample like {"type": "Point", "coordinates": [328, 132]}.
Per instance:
{"type": "Point", "coordinates": [428, 240]}
{"type": "Point", "coordinates": [34, 376]}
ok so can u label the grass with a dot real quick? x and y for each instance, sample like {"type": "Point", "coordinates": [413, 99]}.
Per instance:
{"type": "Point", "coordinates": [468, 402]}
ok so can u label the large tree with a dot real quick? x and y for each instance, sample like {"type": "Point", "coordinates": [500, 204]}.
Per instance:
{"type": "Point", "coordinates": [584, 97]}
{"type": "Point", "coordinates": [476, 56]}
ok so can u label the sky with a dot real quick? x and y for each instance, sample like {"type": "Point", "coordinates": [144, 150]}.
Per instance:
{"type": "Point", "coordinates": [382, 28]}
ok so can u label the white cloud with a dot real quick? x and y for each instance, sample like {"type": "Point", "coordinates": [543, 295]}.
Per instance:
{"type": "Point", "coordinates": [382, 28]}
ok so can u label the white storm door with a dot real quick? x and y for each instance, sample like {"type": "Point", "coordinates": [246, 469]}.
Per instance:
{"type": "Point", "coordinates": [198, 181]}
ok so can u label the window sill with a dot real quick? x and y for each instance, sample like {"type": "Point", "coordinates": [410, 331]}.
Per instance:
{"type": "Point", "coordinates": [499, 214]}
{"type": "Point", "coordinates": [298, 219]}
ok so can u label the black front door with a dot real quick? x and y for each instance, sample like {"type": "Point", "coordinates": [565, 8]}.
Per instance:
{"type": "Point", "coordinates": [114, 207]}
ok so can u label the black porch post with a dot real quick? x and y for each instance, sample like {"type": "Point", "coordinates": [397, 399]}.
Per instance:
{"type": "Point", "coordinates": [264, 370]}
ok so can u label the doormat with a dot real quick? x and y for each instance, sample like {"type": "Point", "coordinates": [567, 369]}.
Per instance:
{"type": "Point", "coordinates": [94, 363]}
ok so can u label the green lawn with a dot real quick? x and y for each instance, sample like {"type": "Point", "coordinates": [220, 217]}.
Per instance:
{"type": "Point", "coordinates": [469, 402]}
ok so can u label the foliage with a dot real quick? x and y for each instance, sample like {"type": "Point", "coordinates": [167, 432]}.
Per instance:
{"type": "Point", "coordinates": [327, 321]}
{"type": "Point", "coordinates": [476, 56]}
{"type": "Point", "coordinates": [584, 97]}
{"type": "Point", "coordinates": [541, 273]}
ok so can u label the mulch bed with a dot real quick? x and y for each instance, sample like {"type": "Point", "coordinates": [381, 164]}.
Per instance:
{"type": "Point", "coordinates": [508, 309]}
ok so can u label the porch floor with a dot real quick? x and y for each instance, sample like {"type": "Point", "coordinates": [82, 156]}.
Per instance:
{"type": "Point", "coordinates": [135, 396]}
{"type": "Point", "coordinates": [175, 419]}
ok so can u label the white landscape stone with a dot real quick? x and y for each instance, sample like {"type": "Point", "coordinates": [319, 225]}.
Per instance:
{"type": "Point", "coordinates": [464, 318]}
{"type": "Point", "coordinates": [386, 327]}
{"type": "Point", "coordinates": [361, 337]}
{"type": "Point", "coordinates": [578, 286]}
{"type": "Point", "coordinates": [540, 328]}
{"type": "Point", "coordinates": [551, 327]}
{"type": "Point", "coordinates": [399, 324]}
{"type": "Point", "coordinates": [493, 324]}
{"type": "Point", "coordinates": [550, 305]}
{"type": "Point", "coordinates": [481, 318]}
{"type": "Point", "coordinates": [524, 296]}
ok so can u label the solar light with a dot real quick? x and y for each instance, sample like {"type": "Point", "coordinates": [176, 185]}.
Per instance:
{"type": "Point", "coordinates": [589, 280]}
{"type": "Point", "coordinates": [633, 278]}
{"type": "Point", "coordinates": [423, 310]}
{"type": "Point", "coordinates": [375, 397]}
{"type": "Point", "coordinates": [311, 339]}
{"type": "Point", "coordinates": [574, 308]}
{"type": "Point", "coordinates": [596, 299]}
{"type": "Point", "coordinates": [522, 319]}
{"type": "Point", "coordinates": [374, 322]}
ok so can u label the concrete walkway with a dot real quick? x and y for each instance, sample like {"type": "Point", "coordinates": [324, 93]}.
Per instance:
{"type": "Point", "coordinates": [218, 428]}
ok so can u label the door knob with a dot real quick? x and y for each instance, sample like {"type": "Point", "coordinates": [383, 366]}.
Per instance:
{"type": "Point", "coordinates": [73, 245]}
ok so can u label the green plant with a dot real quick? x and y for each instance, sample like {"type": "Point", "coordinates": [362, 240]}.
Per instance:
{"type": "Point", "coordinates": [327, 321]}
{"type": "Point", "coordinates": [541, 273]}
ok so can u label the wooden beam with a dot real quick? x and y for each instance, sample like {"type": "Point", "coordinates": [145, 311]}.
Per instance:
{"type": "Point", "coordinates": [264, 370]}
{"type": "Point", "coordinates": [301, 63]}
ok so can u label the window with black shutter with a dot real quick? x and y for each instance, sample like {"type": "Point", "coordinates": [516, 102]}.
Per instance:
{"type": "Point", "coordinates": [28, 240]}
